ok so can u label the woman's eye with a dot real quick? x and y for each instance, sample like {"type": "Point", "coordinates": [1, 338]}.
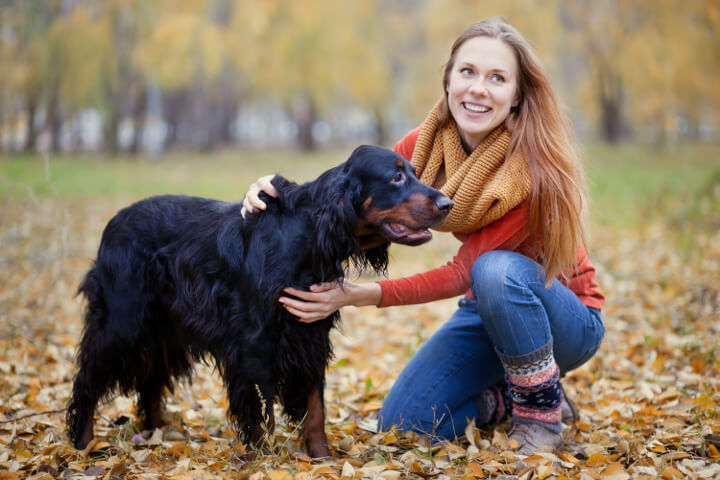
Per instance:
{"type": "Point", "coordinates": [466, 71]}
{"type": "Point", "coordinates": [498, 78]}
{"type": "Point", "coordinates": [398, 178]}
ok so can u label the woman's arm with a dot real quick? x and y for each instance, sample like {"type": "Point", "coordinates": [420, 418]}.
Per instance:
{"type": "Point", "coordinates": [450, 280]}
{"type": "Point", "coordinates": [324, 299]}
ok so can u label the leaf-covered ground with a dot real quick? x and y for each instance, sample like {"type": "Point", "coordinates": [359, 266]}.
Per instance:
{"type": "Point", "coordinates": [649, 399]}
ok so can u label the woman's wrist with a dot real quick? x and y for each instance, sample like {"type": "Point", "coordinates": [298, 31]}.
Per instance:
{"type": "Point", "coordinates": [363, 294]}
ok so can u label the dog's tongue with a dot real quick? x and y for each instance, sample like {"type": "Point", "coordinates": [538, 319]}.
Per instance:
{"type": "Point", "coordinates": [409, 235]}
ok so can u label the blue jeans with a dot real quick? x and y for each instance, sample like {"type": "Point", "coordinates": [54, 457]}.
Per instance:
{"type": "Point", "coordinates": [515, 314]}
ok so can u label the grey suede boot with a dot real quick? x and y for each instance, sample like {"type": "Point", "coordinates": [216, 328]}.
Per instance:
{"type": "Point", "coordinates": [533, 436]}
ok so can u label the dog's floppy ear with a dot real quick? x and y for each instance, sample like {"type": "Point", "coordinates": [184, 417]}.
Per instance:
{"type": "Point", "coordinates": [376, 258]}
{"type": "Point", "coordinates": [335, 224]}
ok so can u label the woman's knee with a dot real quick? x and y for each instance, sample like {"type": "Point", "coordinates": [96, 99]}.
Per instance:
{"type": "Point", "coordinates": [493, 272]}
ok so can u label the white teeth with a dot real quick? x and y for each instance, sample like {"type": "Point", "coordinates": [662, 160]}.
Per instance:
{"type": "Point", "coordinates": [476, 108]}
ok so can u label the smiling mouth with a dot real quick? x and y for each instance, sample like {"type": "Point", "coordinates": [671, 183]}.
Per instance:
{"type": "Point", "coordinates": [399, 233]}
{"type": "Point", "coordinates": [476, 108]}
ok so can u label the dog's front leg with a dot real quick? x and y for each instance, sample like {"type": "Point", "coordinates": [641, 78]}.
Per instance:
{"type": "Point", "coordinates": [313, 430]}
{"type": "Point", "coordinates": [263, 437]}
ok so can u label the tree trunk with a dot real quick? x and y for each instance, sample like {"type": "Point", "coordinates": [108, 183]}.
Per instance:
{"type": "Point", "coordinates": [138, 115]}
{"type": "Point", "coordinates": [54, 121]}
{"type": "Point", "coordinates": [30, 125]}
{"type": "Point", "coordinates": [304, 112]}
{"type": "Point", "coordinates": [173, 109]}
{"type": "Point", "coordinates": [381, 127]}
{"type": "Point", "coordinates": [610, 99]}
{"type": "Point", "coordinates": [111, 141]}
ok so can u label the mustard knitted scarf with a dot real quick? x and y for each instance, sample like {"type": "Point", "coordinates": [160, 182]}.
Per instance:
{"type": "Point", "coordinates": [484, 186]}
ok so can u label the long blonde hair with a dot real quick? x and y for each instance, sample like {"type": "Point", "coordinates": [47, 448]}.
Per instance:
{"type": "Point", "coordinates": [541, 132]}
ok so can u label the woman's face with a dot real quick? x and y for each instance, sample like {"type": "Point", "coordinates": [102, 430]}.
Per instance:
{"type": "Point", "coordinates": [482, 87]}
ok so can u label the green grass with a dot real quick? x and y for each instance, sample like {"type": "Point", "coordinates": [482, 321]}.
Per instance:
{"type": "Point", "coordinates": [630, 184]}
{"type": "Point", "coordinates": [221, 175]}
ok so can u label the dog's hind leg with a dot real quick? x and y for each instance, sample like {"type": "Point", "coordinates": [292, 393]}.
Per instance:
{"type": "Point", "coordinates": [107, 355]}
{"type": "Point", "coordinates": [313, 430]}
{"type": "Point", "coordinates": [80, 413]}
{"type": "Point", "coordinates": [89, 385]}
{"type": "Point", "coordinates": [150, 401]}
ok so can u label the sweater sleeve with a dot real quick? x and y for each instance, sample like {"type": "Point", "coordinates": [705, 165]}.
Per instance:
{"type": "Point", "coordinates": [453, 278]}
{"type": "Point", "coordinates": [406, 145]}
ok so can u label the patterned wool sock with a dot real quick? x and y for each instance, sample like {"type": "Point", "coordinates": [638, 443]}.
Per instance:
{"type": "Point", "coordinates": [534, 381]}
{"type": "Point", "coordinates": [494, 405]}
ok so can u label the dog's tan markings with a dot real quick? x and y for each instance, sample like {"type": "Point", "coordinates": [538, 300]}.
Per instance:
{"type": "Point", "coordinates": [313, 430]}
{"type": "Point", "coordinates": [417, 209]}
{"type": "Point", "coordinates": [400, 164]}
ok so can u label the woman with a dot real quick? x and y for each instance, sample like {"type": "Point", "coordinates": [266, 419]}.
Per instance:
{"type": "Point", "coordinates": [498, 145]}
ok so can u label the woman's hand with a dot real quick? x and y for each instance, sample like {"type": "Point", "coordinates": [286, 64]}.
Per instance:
{"type": "Point", "coordinates": [252, 202]}
{"type": "Point", "coordinates": [325, 298]}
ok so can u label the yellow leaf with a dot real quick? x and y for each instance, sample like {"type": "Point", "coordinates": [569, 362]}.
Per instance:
{"type": "Point", "coordinates": [535, 460]}
{"type": "Point", "coordinates": [323, 470]}
{"type": "Point", "coordinates": [596, 459]}
{"type": "Point", "coordinates": [279, 475]}
{"type": "Point", "coordinates": [713, 451]}
{"type": "Point", "coordinates": [566, 457]}
{"type": "Point", "coordinates": [658, 365]}
{"type": "Point", "coordinates": [474, 470]}
{"type": "Point", "coordinates": [584, 427]}
{"type": "Point", "coordinates": [670, 473]}
{"type": "Point", "coordinates": [390, 438]}
{"type": "Point", "coordinates": [614, 471]}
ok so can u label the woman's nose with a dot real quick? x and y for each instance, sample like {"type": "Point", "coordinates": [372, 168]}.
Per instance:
{"type": "Point", "coordinates": [478, 87]}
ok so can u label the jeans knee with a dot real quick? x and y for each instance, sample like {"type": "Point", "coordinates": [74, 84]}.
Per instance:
{"type": "Point", "coordinates": [492, 270]}
{"type": "Point", "coordinates": [500, 276]}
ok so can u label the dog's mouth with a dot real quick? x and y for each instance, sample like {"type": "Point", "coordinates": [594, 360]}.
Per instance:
{"type": "Point", "coordinates": [401, 233]}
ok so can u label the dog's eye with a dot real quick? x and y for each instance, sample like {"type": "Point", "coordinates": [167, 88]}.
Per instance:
{"type": "Point", "coordinates": [398, 178]}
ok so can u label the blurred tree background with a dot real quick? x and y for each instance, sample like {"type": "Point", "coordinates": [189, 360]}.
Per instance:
{"type": "Point", "coordinates": [152, 75]}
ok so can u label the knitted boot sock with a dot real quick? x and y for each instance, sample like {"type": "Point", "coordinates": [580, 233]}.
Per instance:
{"type": "Point", "coordinates": [534, 381]}
{"type": "Point", "coordinates": [494, 405]}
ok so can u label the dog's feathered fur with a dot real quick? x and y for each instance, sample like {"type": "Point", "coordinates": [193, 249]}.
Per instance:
{"type": "Point", "coordinates": [180, 278]}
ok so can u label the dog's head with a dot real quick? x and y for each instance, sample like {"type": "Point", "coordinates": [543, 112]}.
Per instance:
{"type": "Point", "coordinates": [376, 195]}
{"type": "Point", "coordinates": [392, 205]}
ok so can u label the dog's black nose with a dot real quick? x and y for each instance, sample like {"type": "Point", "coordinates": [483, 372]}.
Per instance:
{"type": "Point", "coordinates": [443, 203]}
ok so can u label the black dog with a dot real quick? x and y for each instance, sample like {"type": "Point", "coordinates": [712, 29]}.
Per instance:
{"type": "Point", "coordinates": [178, 279]}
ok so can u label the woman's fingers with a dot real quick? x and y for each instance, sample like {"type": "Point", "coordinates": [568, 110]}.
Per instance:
{"type": "Point", "coordinates": [321, 296]}
{"type": "Point", "coordinates": [306, 311]}
{"type": "Point", "coordinates": [324, 287]}
{"type": "Point", "coordinates": [320, 302]}
{"type": "Point", "coordinates": [252, 202]}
